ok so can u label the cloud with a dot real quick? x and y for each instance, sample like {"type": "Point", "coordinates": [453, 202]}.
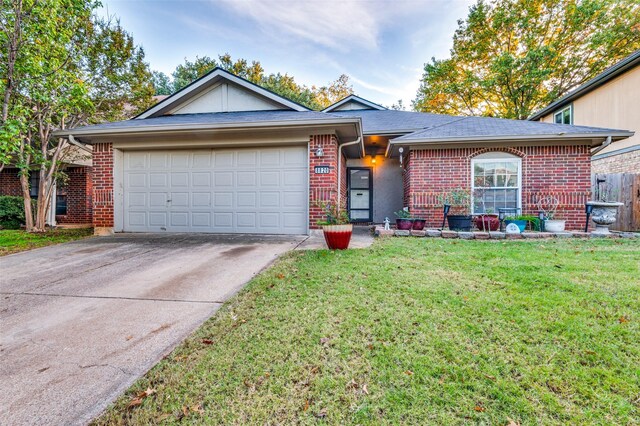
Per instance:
{"type": "Point", "coordinates": [339, 25]}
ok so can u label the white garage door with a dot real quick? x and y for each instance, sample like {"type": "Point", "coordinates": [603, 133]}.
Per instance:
{"type": "Point", "coordinates": [249, 190]}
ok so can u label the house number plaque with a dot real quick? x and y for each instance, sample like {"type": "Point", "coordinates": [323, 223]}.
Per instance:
{"type": "Point", "coordinates": [322, 170]}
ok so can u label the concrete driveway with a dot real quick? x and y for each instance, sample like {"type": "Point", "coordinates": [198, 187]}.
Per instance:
{"type": "Point", "coordinates": [79, 322]}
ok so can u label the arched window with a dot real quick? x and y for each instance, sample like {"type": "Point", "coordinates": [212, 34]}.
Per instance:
{"type": "Point", "coordinates": [496, 181]}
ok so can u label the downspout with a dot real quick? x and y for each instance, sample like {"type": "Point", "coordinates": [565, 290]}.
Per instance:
{"type": "Point", "coordinates": [73, 141]}
{"type": "Point", "coordinates": [359, 140]}
{"type": "Point", "coordinates": [606, 143]}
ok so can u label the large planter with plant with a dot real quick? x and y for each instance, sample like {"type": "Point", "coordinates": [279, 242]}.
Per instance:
{"type": "Point", "coordinates": [459, 203]}
{"type": "Point", "coordinates": [520, 223]}
{"type": "Point", "coordinates": [336, 228]}
{"type": "Point", "coordinates": [548, 206]}
{"type": "Point", "coordinates": [487, 222]}
{"type": "Point", "coordinates": [404, 222]}
{"type": "Point", "coordinates": [337, 237]}
{"type": "Point", "coordinates": [418, 224]}
{"type": "Point", "coordinates": [603, 215]}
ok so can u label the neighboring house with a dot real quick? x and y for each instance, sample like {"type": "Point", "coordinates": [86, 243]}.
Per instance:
{"type": "Point", "coordinates": [225, 155]}
{"type": "Point", "coordinates": [611, 99]}
{"type": "Point", "coordinates": [71, 202]}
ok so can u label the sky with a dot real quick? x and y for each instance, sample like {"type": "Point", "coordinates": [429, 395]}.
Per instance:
{"type": "Point", "coordinates": [381, 45]}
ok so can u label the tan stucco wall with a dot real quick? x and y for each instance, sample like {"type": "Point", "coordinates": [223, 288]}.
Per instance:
{"type": "Point", "coordinates": [615, 105]}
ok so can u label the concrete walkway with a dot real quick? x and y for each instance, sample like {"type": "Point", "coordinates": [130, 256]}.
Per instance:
{"type": "Point", "coordinates": [80, 322]}
{"type": "Point", "coordinates": [362, 237]}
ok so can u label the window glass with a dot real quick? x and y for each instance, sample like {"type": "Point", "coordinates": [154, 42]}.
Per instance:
{"type": "Point", "coordinates": [563, 116]}
{"type": "Point", "coordinates": [495, 184]}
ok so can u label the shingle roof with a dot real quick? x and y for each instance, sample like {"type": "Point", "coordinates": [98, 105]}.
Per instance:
{"type": "Point", "coordinates": [483, 127]}
{"type": "Point", "coordinates": [392, 121]}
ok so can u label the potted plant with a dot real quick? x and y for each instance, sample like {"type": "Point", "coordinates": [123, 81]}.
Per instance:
{"type": "Point", "coordinates": [519, 221]}
{"type": "Point", "coordinates": [487, 221]}
{"type": "Point", "coordinates": [460, 201]}
{"type": "Point", "coordinates": [336, 227]}
{"type": "Point", "coordinates": [418, 224]}
{"type": "Point", "coordinates": [403, 221]}
{"type": "Point", "coordinates": [604, 208]}
{"type": "Point", "coordinates": [548, 205]}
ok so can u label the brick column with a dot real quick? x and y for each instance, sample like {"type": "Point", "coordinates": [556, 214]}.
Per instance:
{"type": "Point", "coordinates": [103, 188]}
{"type": "Point", "coordinates": [322, 187]}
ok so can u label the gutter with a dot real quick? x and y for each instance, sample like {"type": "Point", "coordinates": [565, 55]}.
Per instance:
{"type": "Point", "coordinates": [204, 126]}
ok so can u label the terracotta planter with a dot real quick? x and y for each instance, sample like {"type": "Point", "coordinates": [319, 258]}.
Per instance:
{"type": "Point", "coordinates": [603, 215]}
{"type": "Point", "coordinates": [404, 224]}
{"type": "Point", "coordinates": [337, 236]}
{"type": "Point", "coordinates": [418, 224]}
{"type": "Point", "coordinates": [487, 222]}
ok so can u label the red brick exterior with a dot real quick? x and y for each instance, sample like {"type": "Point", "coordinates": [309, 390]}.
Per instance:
{"type": "Point", "coordinates": [627, 162]}
{"type": "Point", "coordinates": [103, 185]}
{"type": "Point", "coordinates": [79, 192]}
{"type": "Point", "coordinates": [561, 171]}
{"type": "Point", "coordinates": [322, 187]}
{"type": "Point", "coordinates": [10, 183]}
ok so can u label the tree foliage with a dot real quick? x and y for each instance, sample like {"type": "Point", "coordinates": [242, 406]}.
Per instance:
{"type": "Point", "coordinates": [283, 84]}
{"type": "Point", "coordinates": [66, 68]}
{"type": "Point", "coordinates": [513, 57]}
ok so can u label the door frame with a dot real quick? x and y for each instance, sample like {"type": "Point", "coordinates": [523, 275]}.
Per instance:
{"type": "Point", "coordinates": [370, 218]}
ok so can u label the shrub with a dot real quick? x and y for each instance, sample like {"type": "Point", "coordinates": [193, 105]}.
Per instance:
{"type": "Point", "coordinates": [11, 212]}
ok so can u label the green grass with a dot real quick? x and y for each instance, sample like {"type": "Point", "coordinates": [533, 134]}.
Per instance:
{"type": "Point", "coordinates": [15, 241]}
{"type": "Point", "coordinates": [439, 332]}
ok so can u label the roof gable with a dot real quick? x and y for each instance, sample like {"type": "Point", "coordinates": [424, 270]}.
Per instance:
{"type": "Point", "coordinates": [220, 91]}
{"type": "Point", "coordinates": [353, 102]}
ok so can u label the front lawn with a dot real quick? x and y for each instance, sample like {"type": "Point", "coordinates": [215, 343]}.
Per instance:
{"type": "Point", "coordinates": [14, 241]}
{"type": "Point", "coordinates": [414, 331]}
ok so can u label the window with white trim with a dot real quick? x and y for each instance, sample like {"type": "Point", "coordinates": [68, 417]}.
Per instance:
{"type": "Point", "coordinates": [564, 116]}
{"type": "Point", "coordinates": [495, 182]}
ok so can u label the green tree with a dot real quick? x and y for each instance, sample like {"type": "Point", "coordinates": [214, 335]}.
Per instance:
{"type": "Point", "coordinates": [161, 83]}
{"type": "Point", "coordinates": [68, 69]}
{"type": "Point", "coordinates": [513, 57]}
{"type": "Point", "coordinates": [282, 84]}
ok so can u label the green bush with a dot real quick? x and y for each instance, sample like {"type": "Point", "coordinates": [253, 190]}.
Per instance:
{"type": "Point", "coordinates": [11, 212]}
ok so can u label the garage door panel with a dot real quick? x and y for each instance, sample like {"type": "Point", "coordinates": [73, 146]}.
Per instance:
{"type": "Point", "coordinates": [179, 179]}
{"type": "Point", "coordinates": [180, 160]}
{"type": "Point", "coordinates": [157, 218]}
{"type": "Point", "coordinates": [158, 180]}
{"type": "Point", "coordinates": [247, 190]}
{"type": "Point", "coordinates": [222, 179]}
{"type": "Point", "coordinates": [158, 160]}
{"type": "Point", "coordinates": [158, 199]}
{"type": "Point", "coordinates": [201, 199]}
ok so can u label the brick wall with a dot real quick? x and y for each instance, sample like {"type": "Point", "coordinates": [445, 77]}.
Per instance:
{"type": "Point", "coordinates": [10, 182]}
{"type": "Point", "coordinates": [79, 192]}
{"type": "Point", "coordinates": [628, 162]}
{"type": "Point", "coordinates": [561, 171]}
{"type": "Point", "coordinates": [322, 187]}
{"type": "Point", "coordinates": [103, 185]}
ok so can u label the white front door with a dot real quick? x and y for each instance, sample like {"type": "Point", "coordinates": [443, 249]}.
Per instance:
{"type": "Point", "coordinates": [224, 191]}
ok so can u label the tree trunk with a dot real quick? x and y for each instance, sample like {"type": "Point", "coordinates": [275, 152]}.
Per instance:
{"type": "Point", "coordinates": [26, 195]}
{"type": "Point", "coordinates": [42, 205]}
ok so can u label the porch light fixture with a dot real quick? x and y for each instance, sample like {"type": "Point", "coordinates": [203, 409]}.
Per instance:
{"type": "Point", "coordinates": [401, 150]}
{"type": "Point", "coordinates": [588, 209]}
{"type": "Point", "coordinates": [373, 159]}
{"type": "Point", "coordinates": [445, 210]}
{"type": "Point", "coordinates": [319, 152]}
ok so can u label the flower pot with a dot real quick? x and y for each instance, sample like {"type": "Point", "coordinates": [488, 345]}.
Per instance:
{"type": "Point", "coordinates": [418, 224]}
{"type": "Point", "coordinates": [487, 222]}
{"type": "Point", "coordinates": [521, 224]}
{"type": "Point", "coordinates": [603, 215]}
{"type": "Point", "coordinates": [554, 225]}
{"type": "Point", "coordinates": [404, 224]}
{"type": "Point", "coordinates": [337, 236]}
{"type": "Point", "coordinates": [459, 222]}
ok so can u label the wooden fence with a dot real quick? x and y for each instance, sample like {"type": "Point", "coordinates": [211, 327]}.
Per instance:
{"type": "Point", "coordinates": [625, 187]}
